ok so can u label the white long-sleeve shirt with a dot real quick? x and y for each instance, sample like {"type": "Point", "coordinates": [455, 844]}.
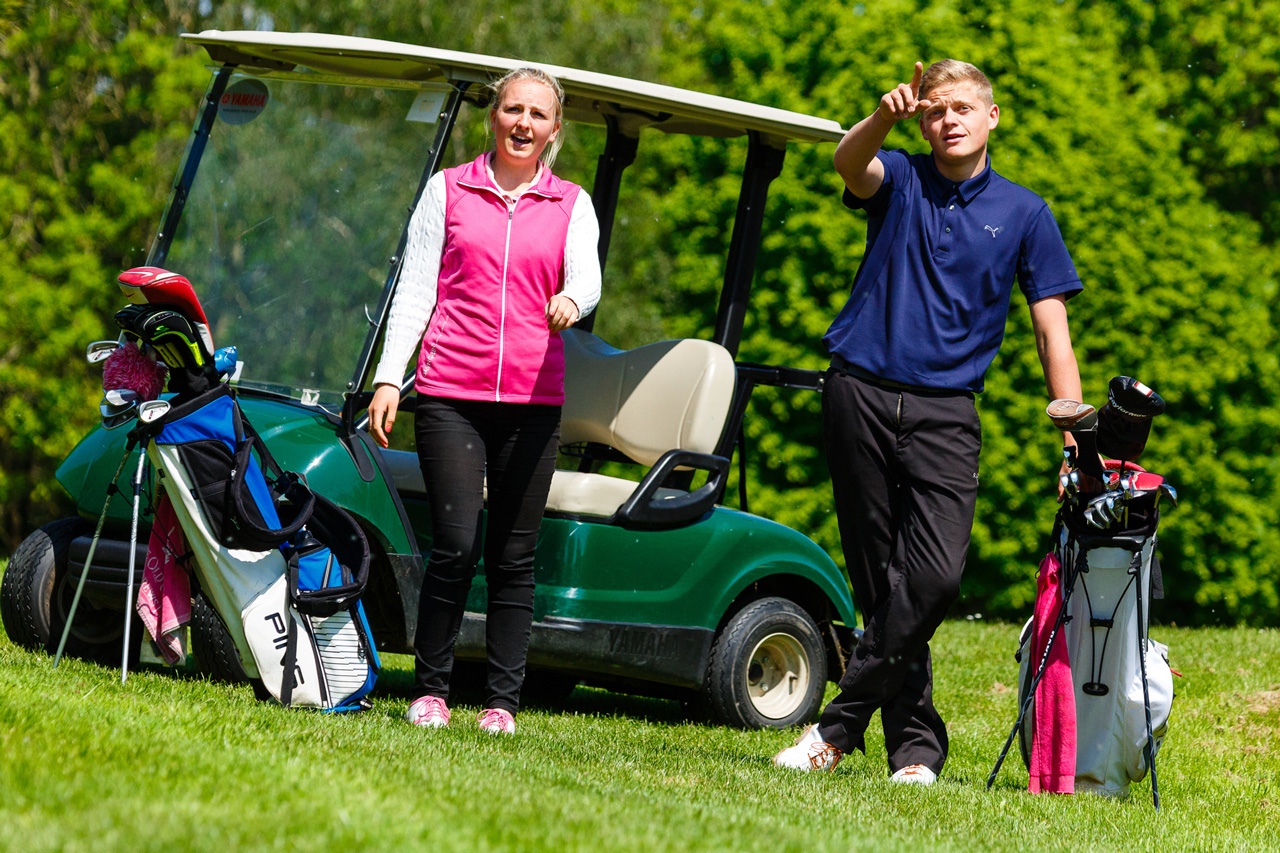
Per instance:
{"type": "Point", "coordinates": [415, 298]}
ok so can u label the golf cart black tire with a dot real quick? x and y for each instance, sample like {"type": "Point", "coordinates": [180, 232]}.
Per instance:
{"type": "Point", "coordinates": [727, 673]}
{"type": "Point", "coordinates": [36, 572]}
{"type": "Point", "coordinates": [212, 645]}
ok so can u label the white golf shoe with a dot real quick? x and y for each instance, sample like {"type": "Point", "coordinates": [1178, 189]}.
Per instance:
{"type": "Point", "coordinates": [915, 774]}
{"type": "Point", "coordinates": [810, 752]}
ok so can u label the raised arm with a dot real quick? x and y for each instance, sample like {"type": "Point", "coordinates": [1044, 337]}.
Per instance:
{"type": "Point", "coordinates": [855, 157]}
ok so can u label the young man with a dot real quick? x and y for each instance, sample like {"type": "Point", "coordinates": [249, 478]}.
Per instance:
{"type": "Point", "coordinates": [946, 238]}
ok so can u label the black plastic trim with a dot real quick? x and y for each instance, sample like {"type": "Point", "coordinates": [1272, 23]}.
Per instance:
{"type": "Point", "coordinates": [643, 509]}
{"type": "Point", "coordinates": [675, 655]}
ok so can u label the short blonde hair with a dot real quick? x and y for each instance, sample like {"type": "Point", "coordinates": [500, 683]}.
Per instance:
{"type": "Point", "coordinates": [946, 72]}
{"type": "Point", "coordinates": [499, 88]}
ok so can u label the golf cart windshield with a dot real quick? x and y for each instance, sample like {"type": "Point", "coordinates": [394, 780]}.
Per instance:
{"type": "Point", "coordinates": [297, 207]}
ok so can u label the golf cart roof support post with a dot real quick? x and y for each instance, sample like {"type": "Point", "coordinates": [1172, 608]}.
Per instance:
{"type": "Point", "coordinates": [619, 153]}
{"type": "Point", "coordinates": [448, 115]}
{"type": "Point", "coordinates": [187, 173]}
{"type": "Point", "coordinates": [764, 163]}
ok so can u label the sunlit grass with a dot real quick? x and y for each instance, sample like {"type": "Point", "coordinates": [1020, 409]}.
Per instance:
{"type": "Point", "coordinates": [172, 761]}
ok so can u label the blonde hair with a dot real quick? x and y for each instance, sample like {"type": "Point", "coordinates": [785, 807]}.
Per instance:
{"type": "Point", "coordinates": [946, 72]}
{"type": "Point", "coordinates": [537, 75]}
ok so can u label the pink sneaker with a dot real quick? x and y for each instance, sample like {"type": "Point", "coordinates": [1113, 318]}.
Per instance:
{"type": "Point", "coordinates": [428, 711]}
{"type": "Point", "coordinates": [496, 721]}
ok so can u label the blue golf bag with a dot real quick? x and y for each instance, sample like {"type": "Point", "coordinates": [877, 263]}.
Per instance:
{"type": "Point", "coordinates": [283, 567]}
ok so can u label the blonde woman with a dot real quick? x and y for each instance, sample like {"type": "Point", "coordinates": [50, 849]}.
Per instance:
{"type": "Point", "coordinates": [501, 258]}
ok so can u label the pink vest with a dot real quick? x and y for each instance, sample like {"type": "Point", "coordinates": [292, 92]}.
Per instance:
{"type": "Point", "coordinates": [488, 338]}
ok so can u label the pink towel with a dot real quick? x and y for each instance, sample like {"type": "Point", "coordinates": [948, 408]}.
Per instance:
{"type": "Point", "coordinates": [164, 598]}
{"type": "Point", "coordinates": [1053, 742]}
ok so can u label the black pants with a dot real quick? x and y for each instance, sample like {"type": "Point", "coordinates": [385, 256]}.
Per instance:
{"type": "Point", "coordinates": [904, 470]}
{"type": "Point", "coordinates": [459, 442]}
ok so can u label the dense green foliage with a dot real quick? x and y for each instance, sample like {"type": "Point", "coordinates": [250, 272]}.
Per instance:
{"type": "Point", "coordinates": [1151, 129]}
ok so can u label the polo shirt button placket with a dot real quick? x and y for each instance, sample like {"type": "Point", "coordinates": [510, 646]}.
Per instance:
{"type": "Point", "coordinates": [944, 244]}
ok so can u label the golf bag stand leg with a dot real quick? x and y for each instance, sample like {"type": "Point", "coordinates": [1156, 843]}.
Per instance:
{"type": "Point", "coordinates": [1063, 617]}
{"type": "Point", "coordinates": [88, 560]}
{"type": "Point", "coordinates": [133, 555]}
{"type": "Point", "coordinates": [1150, 748]}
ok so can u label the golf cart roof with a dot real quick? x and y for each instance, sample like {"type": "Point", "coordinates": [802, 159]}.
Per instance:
{"type": "Point", "coordinates": [589, 96]}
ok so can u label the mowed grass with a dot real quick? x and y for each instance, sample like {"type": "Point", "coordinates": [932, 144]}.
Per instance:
{"type": "Point", "coordinates": [173, 762]}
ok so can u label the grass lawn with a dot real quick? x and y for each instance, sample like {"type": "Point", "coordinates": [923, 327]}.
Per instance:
{"type": "Point", "coordinates": [169, 761]}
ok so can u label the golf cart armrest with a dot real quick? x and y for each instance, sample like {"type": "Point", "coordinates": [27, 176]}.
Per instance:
{"type": "Point", "coordinates": [645, 509]}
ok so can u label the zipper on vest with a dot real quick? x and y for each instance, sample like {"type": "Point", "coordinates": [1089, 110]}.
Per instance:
{"type": "Point", "coordinates": [502, 313]}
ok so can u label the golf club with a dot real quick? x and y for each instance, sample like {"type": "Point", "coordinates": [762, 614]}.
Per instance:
{"type": "Point", "coordinates": [99, 351]}
{"type": "Point", "coordinates": [1125, 421]}
{"type": "Point", "coordinates": [153, 410]}
{"type": "Point", "coordinates": [153, 285]}
{"type": "Point", "coordinates": [133, 556]}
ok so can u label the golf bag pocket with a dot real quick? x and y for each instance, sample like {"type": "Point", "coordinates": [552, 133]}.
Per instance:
{"type": "Point", "coordinates": [322, 650]}
{"type": "Point", "coordinates": [1160, 691]}
{"type": "Point", "coordinates": [310, 661]}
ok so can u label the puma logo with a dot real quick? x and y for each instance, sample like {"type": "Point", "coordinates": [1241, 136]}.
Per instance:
{"type": "Point", "coordinates": [993, 231]}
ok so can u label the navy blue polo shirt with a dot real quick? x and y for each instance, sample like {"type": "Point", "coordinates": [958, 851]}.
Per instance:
{"type": "Point", "coordinates": [930, 299]}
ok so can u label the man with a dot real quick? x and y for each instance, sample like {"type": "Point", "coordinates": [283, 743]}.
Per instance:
{"type": "Point", "coordinates": [946, 238]}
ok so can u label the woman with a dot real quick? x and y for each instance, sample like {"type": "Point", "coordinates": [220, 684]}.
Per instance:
{"type": "Point", "coordinates": [501, 259]}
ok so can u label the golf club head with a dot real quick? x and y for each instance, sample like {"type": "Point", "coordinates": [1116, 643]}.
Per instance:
{"type": "Point", "coordinates": [117, 416]}
{"type": "Point", "coordinates": [1125, 421]}
{"type": "Point", "coordinates": [121, 397]}
{"type": "Point", "coordinates": [153, 410]}
{"type": "Point", "coordinates": [1169, 490]}
{"type": "Point", "coordinates": [167, 330]}
{"type": "Point", "coordinates": [153, 285]}
{"type": "Point", "coordinates": [99, 351]}
{"type": "Point", "coordinates": [1113, 506]}
{"type": "Point", "coordinates": [1070, 415]}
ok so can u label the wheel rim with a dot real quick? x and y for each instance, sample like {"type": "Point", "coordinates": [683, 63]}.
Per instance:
{"type": "Point", "coordinates": [778, 676]}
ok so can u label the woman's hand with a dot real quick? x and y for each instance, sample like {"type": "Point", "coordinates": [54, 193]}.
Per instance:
{"type": "Point", "coordinates": [386, 401]}
{"type": "Point", "coordinates": [562, 312]}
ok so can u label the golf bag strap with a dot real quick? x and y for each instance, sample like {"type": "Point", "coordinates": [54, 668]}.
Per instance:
{"type": "Point", "coordinates": [279, 476]}
{"type": "Point", "coordinates": [296, 492]}
{"type": "Point", "coordinates": [364, 638]}
{"type": "Point", "coordinates": [287, 485]}
{"type": "Point", "coordinates": [290, 645]}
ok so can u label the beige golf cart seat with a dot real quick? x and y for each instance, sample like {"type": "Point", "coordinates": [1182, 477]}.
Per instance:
{"type": "Point", "coordinates": [645, 403]}
{"type": "Point", "coordinates": [663, 405]}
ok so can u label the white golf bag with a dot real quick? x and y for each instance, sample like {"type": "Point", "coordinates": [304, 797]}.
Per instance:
{"type": "Point", "coordinates": [1107, 607]}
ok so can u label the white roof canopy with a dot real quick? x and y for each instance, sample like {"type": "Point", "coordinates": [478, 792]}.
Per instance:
{"type": "Point", "coordinates": [589, 96]}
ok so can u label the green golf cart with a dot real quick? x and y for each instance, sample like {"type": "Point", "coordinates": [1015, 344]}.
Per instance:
{"type": "Point", "coordinates": [289, 215]}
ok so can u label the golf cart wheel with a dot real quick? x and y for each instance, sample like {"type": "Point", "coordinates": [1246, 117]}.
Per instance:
{"type": "Point", "coordinates": [212, 645]}
{"type": "Point", "coordinates": [36, 596]}
{"type": "Point", "coordinates": [768, 668]}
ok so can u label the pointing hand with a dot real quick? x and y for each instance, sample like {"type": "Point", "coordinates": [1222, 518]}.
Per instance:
{"type": "Point", "coordinates": [901, 102]}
